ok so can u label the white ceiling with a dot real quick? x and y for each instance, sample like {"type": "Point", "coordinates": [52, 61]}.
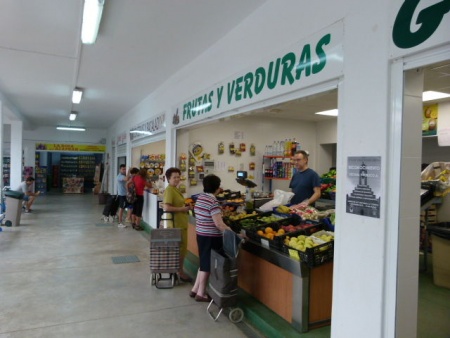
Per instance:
{"type": "Point", "coordinates": [141, 43]}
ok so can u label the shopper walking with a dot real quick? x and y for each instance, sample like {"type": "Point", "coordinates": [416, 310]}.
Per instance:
{"type": "Point", "coordinates": [305, 183]}
{"type": "Point", "coordinates": [173, 202]}
{"type": "Point", "coordinates": [209, 229]}
{"type": "Point", "coordinates": [139, 180]}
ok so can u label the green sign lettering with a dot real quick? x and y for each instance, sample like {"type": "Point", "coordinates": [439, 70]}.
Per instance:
{"type": "Point", "coordinates": [428, 20]}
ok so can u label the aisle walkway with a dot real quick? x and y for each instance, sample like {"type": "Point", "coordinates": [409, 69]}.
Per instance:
{"type": "Point", "coordinates": [57, 279]}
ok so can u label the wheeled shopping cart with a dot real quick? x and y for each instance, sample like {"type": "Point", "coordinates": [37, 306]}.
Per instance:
{"type": "Point", "coordinates": [165, 257]}
{"type": "Point", "coordinates": [222, 286]}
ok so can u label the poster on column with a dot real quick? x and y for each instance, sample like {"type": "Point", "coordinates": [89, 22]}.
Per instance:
{"type": "Point", "coordinates": [363, 188]}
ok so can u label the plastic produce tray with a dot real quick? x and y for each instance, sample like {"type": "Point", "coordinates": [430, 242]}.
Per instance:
{"type": "Point", "coordinates": [278, 241]}
{"type": "Point", "coordinates": [312, 257]}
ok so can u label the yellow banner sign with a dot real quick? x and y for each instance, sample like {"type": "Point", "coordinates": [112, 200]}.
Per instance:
{"type": "Point", "coordinates": [71, 147]}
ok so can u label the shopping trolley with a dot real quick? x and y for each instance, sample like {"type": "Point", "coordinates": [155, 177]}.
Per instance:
{"type": "Point", "coordinates": [165, 257]}
{"type": "Point", "coordinates": [223, 278]}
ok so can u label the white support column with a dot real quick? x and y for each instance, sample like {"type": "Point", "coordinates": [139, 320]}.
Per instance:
{"type": "Point", "coordinates": [16, 153]}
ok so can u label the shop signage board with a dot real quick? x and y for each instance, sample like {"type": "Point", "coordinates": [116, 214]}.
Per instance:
{"type": "Point", "coordinates": [149, 127]}
{"type": "Point", "coordinates": [71, 147]}
{"type": "Point", "coordinates": [121, 139]}
{"type": "Point", "coordinates": [314, 60]}
{"type": "Point", "coordinates": [363, 188]}
{"type": "Point", "coordinates": [418, 25]}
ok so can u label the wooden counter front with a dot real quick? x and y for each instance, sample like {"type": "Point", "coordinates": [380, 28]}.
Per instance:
{"type": "Point", "coordinates": [302, 298]}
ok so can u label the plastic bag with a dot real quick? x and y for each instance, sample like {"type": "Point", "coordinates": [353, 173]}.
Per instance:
{"type": "Point", "coordinates": [280, 197]}
{"type": "Point", "coordinates": [284, 196]}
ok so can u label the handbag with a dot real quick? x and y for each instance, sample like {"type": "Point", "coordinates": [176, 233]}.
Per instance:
{"type": "Point", "coordinates": [131, 193]}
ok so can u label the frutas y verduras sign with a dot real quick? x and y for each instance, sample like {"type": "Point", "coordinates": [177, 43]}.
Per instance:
{"type": "Point", "coordinates": [318, 59]}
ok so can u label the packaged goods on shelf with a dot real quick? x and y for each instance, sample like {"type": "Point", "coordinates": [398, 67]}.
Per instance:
{"type": "Point", "coordinates": [437, 174]}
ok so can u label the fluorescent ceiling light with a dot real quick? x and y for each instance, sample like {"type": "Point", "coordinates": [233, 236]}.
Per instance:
{"type": "Point", "coordinates": [92, 15]}
{"type": "Point", "coordinates": [332, 112]}
{"type": "Point", "coordinates": [141, 132]}
{"type": "Point", "coordinates": [73, 116]}
{"type": "Point", "coordinates": [71, 128]}
{"type": "Point", "coordinates": [430, 95]}
{"type": "Point", "coordinates": [76, 95]}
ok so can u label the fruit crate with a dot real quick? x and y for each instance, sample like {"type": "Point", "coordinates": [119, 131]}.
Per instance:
{"type": "Point", "coordinates": [312, 257]}
{"type": "Point", "coordinates": [236, 226]}
{"type": "Point", "coordinates": [278, 241]}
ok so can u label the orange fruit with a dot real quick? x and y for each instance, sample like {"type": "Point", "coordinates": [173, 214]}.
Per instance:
{"type": "Point", "coordinates": [268, 230]}
{"type": "Point", "coordinates": [260, 233]}
{"type": "Point", "coordinates": [270, 236]}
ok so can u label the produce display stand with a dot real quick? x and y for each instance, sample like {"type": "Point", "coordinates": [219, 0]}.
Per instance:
{"type": "Point", "coordinates": [424, 207]}
{"type": "Point", "coordinates": [299, 294]}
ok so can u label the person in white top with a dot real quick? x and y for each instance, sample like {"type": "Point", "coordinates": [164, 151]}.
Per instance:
{"type": "Point", "coordinates": [28, 189]}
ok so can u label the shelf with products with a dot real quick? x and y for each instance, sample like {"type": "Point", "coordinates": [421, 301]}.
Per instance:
{"type": "Point", "coordinates": [81, 167]}
{"type": "Point", "coordinates": [40, 183]}
{"type": "Point", "coordinates": [154, 164]}
{"type": "Point", "coordinates": [277, 167]}
{"type": "Point", "coordinates": [6, 170]}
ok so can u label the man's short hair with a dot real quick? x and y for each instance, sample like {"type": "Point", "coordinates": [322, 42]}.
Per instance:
{"type": "Point", "coordinates": [122, 166]}
{"type": "Point", "coordinates": [29, 179]}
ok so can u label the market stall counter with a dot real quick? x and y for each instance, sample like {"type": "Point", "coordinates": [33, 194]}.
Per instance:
{"type": "Point", "coordinates": [299, 294]}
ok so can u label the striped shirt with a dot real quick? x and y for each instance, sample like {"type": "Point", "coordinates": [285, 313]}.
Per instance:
{"type": "Point", "coordinates": [205, 207]}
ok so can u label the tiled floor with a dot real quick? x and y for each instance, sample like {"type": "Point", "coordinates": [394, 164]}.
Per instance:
{"type": "Point", "coordinates": [57, 279]}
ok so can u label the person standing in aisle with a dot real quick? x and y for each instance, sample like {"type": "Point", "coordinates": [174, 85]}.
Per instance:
{"type": "Point", "coordinates": [209, 229]}
{"type": "Point", "coordinates": [26, 187]}
{"type": "Point", "coordinates": [305, 183]}
{"type": "Point", "coordinates": [139, 179]}
{"type": "Point", "coordinates": [122, 180]}
{"type": "Point", "coordinates": [173, 201]}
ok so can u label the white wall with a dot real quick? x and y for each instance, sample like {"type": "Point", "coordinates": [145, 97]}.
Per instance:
{"type": "Point", "coordinates": [158, 147]}
{"type": "Point", "coordinates": [431, 151]}
{"type": "Point", "coordinates": [257, 130]}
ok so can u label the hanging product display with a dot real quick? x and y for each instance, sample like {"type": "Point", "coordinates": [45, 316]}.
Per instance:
{"type": "Point", "coordinates": [220, 148]}
{"type": "Point", "coordinates": [252, 150]}
{"type": "Point", "coordinates": [231, 148]}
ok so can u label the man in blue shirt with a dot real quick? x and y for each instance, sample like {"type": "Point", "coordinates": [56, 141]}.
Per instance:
{"type": "Point", "coordinates": [122, 179]}
{"type": "Point", "coordinates": [305, 183]}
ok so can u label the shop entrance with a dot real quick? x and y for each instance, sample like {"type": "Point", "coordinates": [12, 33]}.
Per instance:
{"type": "Point", "coordinates": [255, 142]}
{"type": "Point", "coordinates": [414, 146]}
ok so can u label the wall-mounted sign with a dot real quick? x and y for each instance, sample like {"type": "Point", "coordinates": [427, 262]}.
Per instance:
{"type": "Point", "coordinates": [430, 120]}
{"type": "Point", "coordinates": [71, 147]}
{"type": "Point", "coordinates": [308, 62]}
{"type": "Point", "coordinates": [419, 25]}
{"type": "Point", "coordinates": [149, 127]}
{"type": "Point", "coordinates": [363, 188]}
{"type": "Point", "coordinates": [121, 139]}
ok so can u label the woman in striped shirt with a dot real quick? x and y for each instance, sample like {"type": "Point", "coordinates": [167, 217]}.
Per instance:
{"type": "Point", "coordinates": [209, 229]}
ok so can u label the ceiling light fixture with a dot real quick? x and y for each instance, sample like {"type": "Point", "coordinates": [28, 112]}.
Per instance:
{"type": "Point", "coordinates": [332, 112]}
{"type": "Point", "coordinates": [71, 128]}
{"type": "Point", "coordinates": [92, 15]}
{"type": "Point", "coordinates": [431, 95]}
{"type": "Point", "coordinates": [143, 132]}
{"type": "Point", "coordinates": [76, 95]}
{"type": "Point", "coordinates": [73, 116]}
